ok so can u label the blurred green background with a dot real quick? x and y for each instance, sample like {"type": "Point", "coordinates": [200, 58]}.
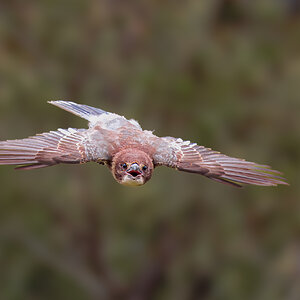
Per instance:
{"type": "Point", "coordinates": [225, 74]}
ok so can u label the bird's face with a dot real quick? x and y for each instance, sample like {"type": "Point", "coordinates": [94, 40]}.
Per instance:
{"type": "Point", "coordinates": [132, 167]}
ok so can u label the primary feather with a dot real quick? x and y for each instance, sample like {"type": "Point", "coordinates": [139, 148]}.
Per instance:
{"type": "Point", "coordinates": [222, 168]}
{"type": "Point", "coordinates": [44, 150]}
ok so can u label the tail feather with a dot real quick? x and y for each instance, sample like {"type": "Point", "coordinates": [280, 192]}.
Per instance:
{"type": "Point", "coordinates": [81, 110]}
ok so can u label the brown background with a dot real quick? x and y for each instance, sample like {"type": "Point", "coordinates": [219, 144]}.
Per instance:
{"type": "Point", "coordinates": [224, 74]}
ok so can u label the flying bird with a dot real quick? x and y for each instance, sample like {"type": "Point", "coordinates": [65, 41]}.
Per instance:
{"type": "Point", "coordinates": [130, 152]}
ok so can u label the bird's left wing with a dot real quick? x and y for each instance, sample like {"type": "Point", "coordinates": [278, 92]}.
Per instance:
{"type": "Point", "coordinates": [190, 157]}
{"type": "Point", "coordinates": [47, 149]}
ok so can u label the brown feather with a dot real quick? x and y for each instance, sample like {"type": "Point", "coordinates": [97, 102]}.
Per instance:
{"type": "Point", "coordinates": [43, 150]}
{"type": "Point", "coordinates": [222, 168]}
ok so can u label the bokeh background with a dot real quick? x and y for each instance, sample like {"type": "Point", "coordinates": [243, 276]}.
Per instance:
{"type": "Point", "coordinates": [222, 73]}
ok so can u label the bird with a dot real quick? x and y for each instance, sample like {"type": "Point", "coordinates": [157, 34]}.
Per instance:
{"type": "Point", "coordinates": [130, 153]}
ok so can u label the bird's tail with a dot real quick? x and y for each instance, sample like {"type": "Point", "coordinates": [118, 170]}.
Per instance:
{"type": "Point", "coordinates": [81, 110]}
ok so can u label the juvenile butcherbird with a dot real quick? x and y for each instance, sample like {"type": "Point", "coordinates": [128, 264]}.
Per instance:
{"type": "Point", "coordinates": [130, 152]}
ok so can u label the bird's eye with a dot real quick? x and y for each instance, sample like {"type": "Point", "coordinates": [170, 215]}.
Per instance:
{"type": "Point", "coordinates": [145, 168]}
{"type": "Point", "coordinates": [124, 166]}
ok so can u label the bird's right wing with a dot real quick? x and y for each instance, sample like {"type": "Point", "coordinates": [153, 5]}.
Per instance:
{"type": "Point", "coordinates": [47, 149]}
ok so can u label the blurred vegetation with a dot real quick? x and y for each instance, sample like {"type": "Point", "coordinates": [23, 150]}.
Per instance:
{"type": "Point", "coordinates": [225, 74]}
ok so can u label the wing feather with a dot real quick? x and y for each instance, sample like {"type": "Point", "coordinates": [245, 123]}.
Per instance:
{"type": "Point", "coordinates": [47, 149]}
{"type": "Point", "coordinates": [190, 157]}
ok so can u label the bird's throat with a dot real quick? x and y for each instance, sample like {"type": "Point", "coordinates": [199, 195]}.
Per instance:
{"type": "Point", "coordinates": [128, 181]}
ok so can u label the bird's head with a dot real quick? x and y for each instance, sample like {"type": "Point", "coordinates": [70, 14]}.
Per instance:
{"type": "Point", "coordinates": [132, 167]}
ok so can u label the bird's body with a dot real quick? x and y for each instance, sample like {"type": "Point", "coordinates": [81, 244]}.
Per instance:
{"type": "Point", "coordinates": [130, 152]}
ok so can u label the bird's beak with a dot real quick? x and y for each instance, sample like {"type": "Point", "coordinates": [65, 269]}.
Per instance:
{"type": "Point", "coordinates": [134, 170]}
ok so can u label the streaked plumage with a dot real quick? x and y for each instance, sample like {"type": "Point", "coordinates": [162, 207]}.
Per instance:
{"type": "Point", "coordinates": [130, 152]}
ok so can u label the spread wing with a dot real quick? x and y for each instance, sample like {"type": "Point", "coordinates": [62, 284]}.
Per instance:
{"type": "Point", "coordinates": [47, 149]}
{"type": "Point", "coordinates": [189, 157]}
